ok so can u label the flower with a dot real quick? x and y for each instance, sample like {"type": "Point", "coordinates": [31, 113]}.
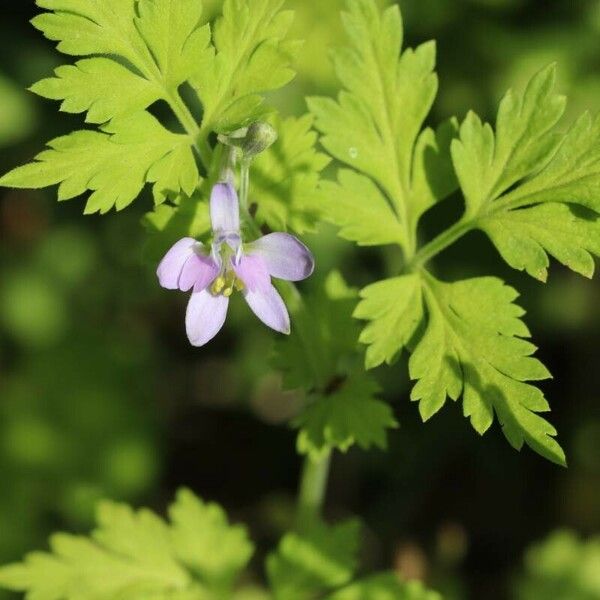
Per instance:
{"type": "Point", "coordinates": [231, 265]}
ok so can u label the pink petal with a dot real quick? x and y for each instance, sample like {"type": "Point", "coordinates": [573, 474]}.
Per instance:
{"type": "Point", "coordinates": [205, 317]}
{"type": "Point", "coordinates": [269, 307]}
{"type": "Point", "coordinates": [285, 256]}
{"type": "Point", "coordinates": [253, 273]}
{"type": "Point", "coordinates": [224, 209]}
{"type": "Point", "coordinates": [170, 268]}
{"type": "Point", "coordinates": [198, 272]}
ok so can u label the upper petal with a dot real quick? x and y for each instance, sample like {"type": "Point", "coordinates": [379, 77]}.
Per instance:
{"type": "Point", "coordinates": [224, 208]}
{"type": "Point", "coordinates": [253, 272]}
{"type": "Point", "coordinates": [285, 256]}
{"type": "Point", "coordinates": [170, 268]}
{"type": "Point", "coordinates": [198, 272]}
{"type": "Point", "coordinates": [205, 317]}
{"type": "Point", "coordinates": [269, 307]}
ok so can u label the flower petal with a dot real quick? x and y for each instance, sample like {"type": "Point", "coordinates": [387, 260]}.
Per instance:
{"type": "Point", "coordinates": [285, 256]}
{"type": "Point", "coordinates": [253, 273]}
{"type": "Point", "coordinates": [205, 317]}
{"type": "Point", "coordinates": [198, 272]}
{"type": "Point", "coordinates": [269, 307]}
{"type": "Point", "coordinates": [224, 209]}
{"type": "Point", "coordinates": [170, 267]}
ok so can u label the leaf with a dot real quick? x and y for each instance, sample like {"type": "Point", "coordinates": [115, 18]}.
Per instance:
{"type": "Point", "coordinates": [205, 542]}
{"type": "Point", "coordinates": [284, 179]}
{"type": "Point", "coordinates": [136, 555]}
{"type": "Point", "coordinates": [363, 214]}
{"type": "Point", "coordinates": [113, 164]}
{"type": "Point", "coordinates": [487, 164]}
{"type": "Point", "coordinates": [561, 567]}
{"type": "Point", "coordinates": [385, 586]}
{"type": "Point", "coordinates": [473, 346]}
{"type": "Point", "coordinates": [519, 180]}
{"type": "Point", "coordinates": [99, 86]}
{"type": "Point", "coordinates": [394, 308]}
{"type": "Point", "coordinates": [317, 560]}
{"type": "Point", "coordinates": [251, 56]}
{"type": "Point", "coordinates": [374, 125]}
{"type": "Point", "coordinates": [349, 415]}
{"type": "Point", "coordinates": [173, 33]}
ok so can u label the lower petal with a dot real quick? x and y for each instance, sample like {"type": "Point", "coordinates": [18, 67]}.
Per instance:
{"type": "Point", "coordinates": [205, 317]}
{"type": "Point", "coordinates": [170, 267]}
{"type": "Point", "coordinates": [268, 306]}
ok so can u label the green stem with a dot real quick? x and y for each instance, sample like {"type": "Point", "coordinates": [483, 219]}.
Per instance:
{"type": "Point", "coordinates": [440, 243]}
{"type": "Point", "coordinates": [188, 122]}
{"type": "Point", "coordinates": [313, 485]}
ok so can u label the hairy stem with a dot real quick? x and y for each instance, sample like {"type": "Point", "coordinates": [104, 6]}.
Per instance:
{"type": "Point", "coordinates": [311, 494]}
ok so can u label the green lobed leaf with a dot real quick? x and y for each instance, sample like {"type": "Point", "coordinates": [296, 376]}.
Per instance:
{"type": "Point", "coordinates": [312, 562]}
{"type": "Point", "coordinates": [138, 556]}
{"type": "Point", "coordinates": [394, 309]}
{"type": "Point", "coordinates": [375, 128]}
{"type": "Point", "coordinates": [250, 56]}
{"type": "Point", "coordinates": [384, 586]}
{"type": "Point", "coordinates": [348, 415]}
{"type": "Point", "coordinates": [473, 346]}
{"type": "Point", "coordinates": [284, 178]}
{"type": "Point", "coordinates": [522, 181]}
{"type": "Point", "coordinates": [113, 164]}
{"type": "Point", "coordinates": [99, 86]}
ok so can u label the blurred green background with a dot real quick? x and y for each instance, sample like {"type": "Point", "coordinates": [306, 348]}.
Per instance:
{"type": "Point", "coordinates": [101, 396]}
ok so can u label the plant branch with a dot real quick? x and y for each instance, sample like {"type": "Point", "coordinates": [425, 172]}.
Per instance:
{"type": "Point", "coordinates": [440, 243]}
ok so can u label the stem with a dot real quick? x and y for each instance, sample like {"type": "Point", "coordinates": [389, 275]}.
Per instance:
{"type": "Point", "coordinates": [185, 117]}
{"type": "Point", "coordinates": [311, 494]}
{"type": "Point", "coordinates": [244, 184]}
{"type": "Point", "coordinates": [441, 242]}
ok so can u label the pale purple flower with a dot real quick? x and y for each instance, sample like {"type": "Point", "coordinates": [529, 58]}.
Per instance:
{"type": "Point", "coordinates": [229, 265]}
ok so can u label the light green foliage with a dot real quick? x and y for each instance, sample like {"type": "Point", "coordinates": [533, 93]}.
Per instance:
{"type": "Point", "coordinates": [137, 555]}
{"type": "Point", "coordinates": [100, 86]}
{"type": "Point", "coordinates": [533, 190]}
{"type": "Point", "coordinates": [140, 52]}
{"type": "Point", "coordinates": [310, 563]}
{"type": "Point", "coordinates": [250, 56]}
{"type": "Point", "coordinates": [284, 179]}
{"type": "Point", "coordinates": [114, 164]}
{"type": "Point", "coordinates": [386, 586]}
{"type": "Point", "coordinates": [375, 127]}
{"type": "Point", "coordinates": [563, 567]}
{"type": "Point", "coordinates": [473, 347]}
{"type": "Point", "coordinates": [529, 221]}
{"type": "Point", "coordinates": [344, 417]}
{"type": "Point", "coordinates": [321, 356]}
{"type": "Point", "coordinates": [394, 308]}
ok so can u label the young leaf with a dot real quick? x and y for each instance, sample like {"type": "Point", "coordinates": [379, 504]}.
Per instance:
{"type": "Point", "coordinates": [250, 56]}
{"type": "Point", "coordinates": [530, 221]}
{"type": "Point", "coordinates": [374, 125]}
{"type": "Point", "coordinates": [114, 165]}
{"type": "Point", "coordinates": [474, 347]}
{"type": "Point", "coordinates": [349, 415]}
{"type": "Point", "coordinates": [384, 586]}
{"type": "Point", "coordinates": [312, 562]}
{"type": "Point", "coordinates": [137, 555]}
{"type": "Point", "coordinates": [284, 178]}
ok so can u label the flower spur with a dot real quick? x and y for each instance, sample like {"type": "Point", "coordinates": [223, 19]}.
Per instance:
{"type": "Point", "coordinates": [230, 265]}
